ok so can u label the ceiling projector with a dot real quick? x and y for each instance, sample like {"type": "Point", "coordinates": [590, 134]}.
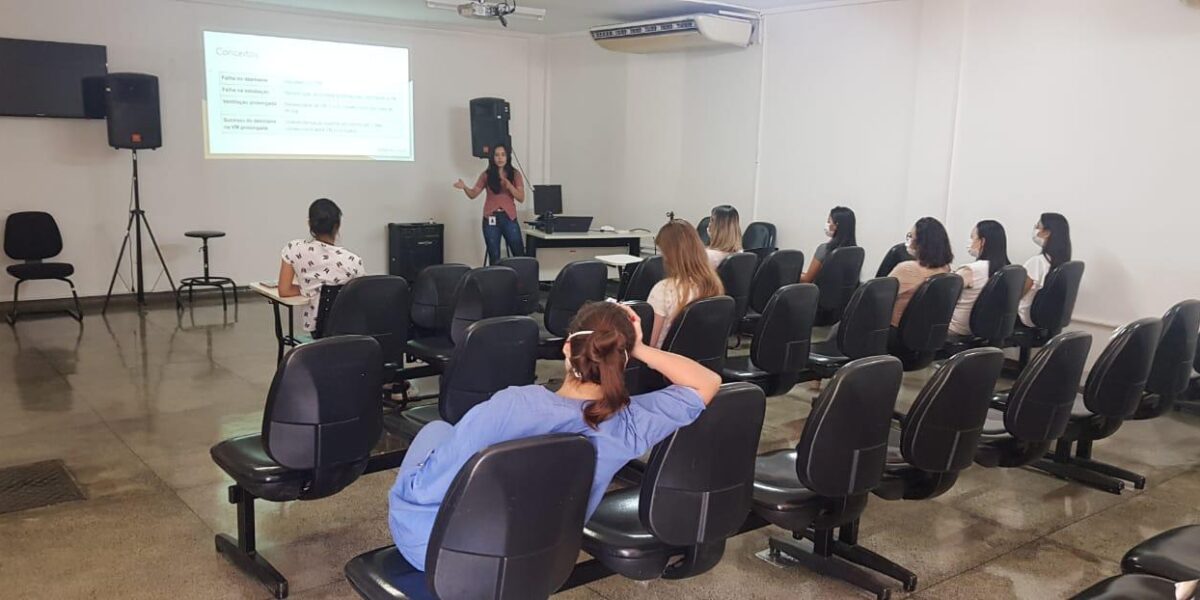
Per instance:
{"type": "Point", "coordinates": [480, 9]}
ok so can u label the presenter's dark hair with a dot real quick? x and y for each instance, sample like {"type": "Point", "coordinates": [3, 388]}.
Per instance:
{"type": "Point", "coordinates": [932, 243]}
{"type": "Point", "coordinates": [995, 245]}
{"type": "Point", "coordinates": [1057, 248]}
{"type": "Point", "coordinates": [493, 172]}
{"type": "Point", "coordinates": [843, 219]}
{"type": "Point", "coordinates": [324, 217]}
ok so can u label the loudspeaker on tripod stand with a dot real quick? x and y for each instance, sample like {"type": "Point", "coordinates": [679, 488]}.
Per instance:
{"type": "Point", "coordinates": [131, 104]}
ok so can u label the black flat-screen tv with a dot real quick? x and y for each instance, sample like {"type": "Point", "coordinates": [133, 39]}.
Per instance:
{"type": "Point", "coordinates": [46, 79]}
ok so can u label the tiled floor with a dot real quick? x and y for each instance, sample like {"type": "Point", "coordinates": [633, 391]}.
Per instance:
{"type": "Point", "coordinates": [133, 404]}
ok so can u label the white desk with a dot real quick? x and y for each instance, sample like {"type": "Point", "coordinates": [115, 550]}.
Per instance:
{"type": "Point", "coordinates": [555, 250]}
{"type": "Point", "coordinates": [271, 293]}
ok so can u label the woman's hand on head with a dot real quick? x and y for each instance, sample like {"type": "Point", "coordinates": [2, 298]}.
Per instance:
{"type": "Point", "coordinates": [637, 327]}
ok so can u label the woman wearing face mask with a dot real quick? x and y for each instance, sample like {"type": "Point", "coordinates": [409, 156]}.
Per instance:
{"type": "Point", "coordinates": [592, 402]}
{"type": "Point", "coordinates": [505, 187]}
{"type": "Point", "coordinates": [989, 247]}
{"type": "Point", "coordinates": [839, 228]}
{"type": "Point", "coordinates": [1053, 234]}
{"type": "Point", "coordinates": [928, 242]}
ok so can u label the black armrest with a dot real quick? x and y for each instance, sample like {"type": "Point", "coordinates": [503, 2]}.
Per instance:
{"type": "Point", "coordinates": [1000, 401]}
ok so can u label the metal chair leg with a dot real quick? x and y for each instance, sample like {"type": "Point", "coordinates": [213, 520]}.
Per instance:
{"type": "Point", "coordinates": [78, 316]}
{"type": "Point", "coordinates": [243, 552]}
{"type": "Point", "coordinates": [12, 314]}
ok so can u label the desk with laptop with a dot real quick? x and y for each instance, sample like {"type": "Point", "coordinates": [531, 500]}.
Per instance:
{"type": "Point", "coordinates": [556, 240]}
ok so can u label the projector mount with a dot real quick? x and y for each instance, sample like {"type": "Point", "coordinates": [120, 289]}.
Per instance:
{"type": "Point", "coordinates": [499, 10]}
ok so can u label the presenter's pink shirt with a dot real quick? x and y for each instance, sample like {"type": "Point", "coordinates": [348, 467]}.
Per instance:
{"type": "Point", "coordinates": [503, 201]}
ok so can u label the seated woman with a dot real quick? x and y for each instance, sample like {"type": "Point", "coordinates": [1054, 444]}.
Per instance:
{"type": "Point", "coordinates": [840, 229]}
{"type": "Point", "coordinates": [591, 402]}
{"type": "Point", "coordinates": [989, 247]}
{"type": "Point", "coordinates": [928, 242]}
{"type": "Point", "coordinates": [311, 263]}
{"type": "Point", "coordinates": [687, 276]}
{"type": "Point", "coordinates": [724, 234]}
{"type": "Point", "coordinates": [1053, 234]}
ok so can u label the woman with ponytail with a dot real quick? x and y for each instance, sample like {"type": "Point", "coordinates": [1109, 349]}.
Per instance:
{"type": "Point", "coordinates": [592, 402]}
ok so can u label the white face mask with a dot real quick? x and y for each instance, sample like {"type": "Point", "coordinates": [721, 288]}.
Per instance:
{"type": "Point", "coordinates": [1037, 239]}
{"type": "Point", "coordinates": [908, 247]}
{"type": "Point", "coordinates": [828, 231]}
{"type": "Point", "coordinates": [971, 250]}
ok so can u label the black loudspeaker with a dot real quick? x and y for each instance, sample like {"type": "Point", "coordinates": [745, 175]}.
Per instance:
{"type": "Point", "coordinates": [131, 103]}
{"type": "Point", "coordinates": [414, 246]}
{"type": "Point", "coordinates": [489, 125]}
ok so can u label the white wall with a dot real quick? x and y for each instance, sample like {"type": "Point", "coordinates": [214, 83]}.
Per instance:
{"type": "Point", "coordinates": [65, 167]}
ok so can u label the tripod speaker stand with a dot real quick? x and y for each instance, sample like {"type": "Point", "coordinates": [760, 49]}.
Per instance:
{"type": "Point", "coordinates": [137, 219]}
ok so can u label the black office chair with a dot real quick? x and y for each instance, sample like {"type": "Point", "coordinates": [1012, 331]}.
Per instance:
{"type": "Point", "coordinates": [824, 483]}
{"type": "Point", "coordinates": [1024, 421]}
{"type": "Point", "coordinates": [577, 284]}
{"type": "Point", "coordinates": [780, 349]}
{"type": "Point", "coordinates": [994, 315]}
{"type": "Point", "coordinates": [482, 293]}
{"type": "Point", "coordinates": [694, 494]}
{"type": "Point", "coordinates": [863, 331]}
{"type": "Point", "coordinates": [837, 280]}
{"type": "Point", "coordinates": [322, 418]}
{"type": "Point", "coordinates": [645, 313]}
{"type": "Point", "coordinates": [926, 321]}
{"type": "Point", "coordinates": [894, 256]}
{"type": "Point", "coordinates": [647, 273]}
{"type": "Point", "coordinates": [759, 239]}
{"type": "Point", "coordinates": [376, 306]}
{"type": "Point", "coordinates": [698, 332]}
{"type": "Point", "coordinates": [937, 436]}
{"type": "Point", "coordinates": [494, 354]}
{"type": "Point", "coordinates": [1172, 360]}
{"type": "Point", "coordinates": [433, 298]}
{"type": "Point", "coordinates": [1052, 309]}
{"type": "Point", "coordinates": [527, 282]}
{"type": "Point", "coordinates": [702, 229]}
{"type": "Point", "coordinates": [778, 269]}
{"type": "Point", "coordinates": [508, 528]}
{"type": "Point", "coordinates": [32, 237]}
{"type": "Point", "coordinates": [1114, 387]}
{"type": "Point", "coordinates": [737, 273]}
{"type": "Point", "coordinates": [1129, 587]}
{"type": "Point", "coordinates": [1173, 554]}
{"type": "Point", "coordinates": [328, 297]}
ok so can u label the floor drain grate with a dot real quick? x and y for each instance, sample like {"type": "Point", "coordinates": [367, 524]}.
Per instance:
{"type": "Point", "coordinates": [36, 484]}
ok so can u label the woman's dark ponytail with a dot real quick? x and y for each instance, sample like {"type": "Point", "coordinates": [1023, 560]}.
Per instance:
{"type": "Point", "coordinates": [324, 217]}
{"type": "Point", "coordinates": [600, 357]}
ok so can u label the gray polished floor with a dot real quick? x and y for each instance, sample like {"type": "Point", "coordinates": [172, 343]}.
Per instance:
{"type": "Point", "coordinates": [132, 405]}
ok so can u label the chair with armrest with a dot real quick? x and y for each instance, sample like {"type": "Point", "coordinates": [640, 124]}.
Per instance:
{"type": "Point", "coordinates": [837, 280]}
{"type": "Point", "coordinates": [508, 528]}
{"type": "Point", "coordinates": [824, 483]}
{"type": "Point", "coordinates": [482, 293]}
{"type": "Point", "coordinates": [32, 237]}
{"type": "Point", "coordinates": [894, 256]}
{"type": "Point", "coordinates": [577, 283]}
{"type": "Point", "coordinates": [759, 239]}
{"type": "Point", "coordinates": [737, 273]}
{"type": "Point", "coordinates": [994, 315]}
{"type": "Point", "coordinates": [926, 321]}
{"type": "Point", "coordinates": [527, 282]}
{"type": "Point", "coordinates": [1172, 360]}
{"type": "Point", "coordinates": [647, 273]}
{"type": "Point", "coordinates": [780, 348]}
{"type": "Point", "coordinates": [376, 306]}
{"type": "Point", "coordinates": [778, 269]}
{"type": "Point", "coordinates": [1052, 309]}
{"type": "Point", "coordinates": [433, 298]}
{"type": "Point", "coordinates": [322, 418]}
{"type": "Point", "coordinates": [862, 332]}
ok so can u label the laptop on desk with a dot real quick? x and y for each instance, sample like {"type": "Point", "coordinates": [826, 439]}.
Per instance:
{"type": "Point", "coordinates": [572, 224]}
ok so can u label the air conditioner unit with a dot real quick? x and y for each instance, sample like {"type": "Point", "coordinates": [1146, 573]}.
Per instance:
{"type": "Point", "coordinates": [675, 33]}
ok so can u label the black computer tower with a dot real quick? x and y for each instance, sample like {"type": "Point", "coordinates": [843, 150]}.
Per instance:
{"type": "Point", "coordinates": [414, 246]}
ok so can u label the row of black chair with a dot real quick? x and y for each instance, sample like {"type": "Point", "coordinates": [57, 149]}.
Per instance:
{"type": "Point", "coordinates": [759, 237]}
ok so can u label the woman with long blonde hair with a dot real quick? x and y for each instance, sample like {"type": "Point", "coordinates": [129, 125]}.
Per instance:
{"type": "Point", "coordinates": [724, 234]}
{"type": "Point", "coordinates": [688, 276]}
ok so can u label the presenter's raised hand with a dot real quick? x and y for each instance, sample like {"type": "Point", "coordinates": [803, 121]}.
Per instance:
{"type": "Point", "coordinates": [460, 185]}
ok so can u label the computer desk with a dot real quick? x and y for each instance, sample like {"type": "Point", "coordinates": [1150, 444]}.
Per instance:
{"type": "Point", "coordinates": [554, 251]}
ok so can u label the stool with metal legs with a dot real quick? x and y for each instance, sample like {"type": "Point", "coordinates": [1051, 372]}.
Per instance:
{"type": "Point", "coordinates": [207, 280]}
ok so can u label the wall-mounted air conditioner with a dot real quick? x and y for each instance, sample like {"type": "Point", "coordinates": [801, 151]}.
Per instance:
{"type": "Point", "coordinates": [675, 33]}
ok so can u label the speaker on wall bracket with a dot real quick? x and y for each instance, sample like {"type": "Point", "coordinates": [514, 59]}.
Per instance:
{"type": "Point", "coordinates": [489, 125]}
{"type": "Point", "coordinates": [131, 105]}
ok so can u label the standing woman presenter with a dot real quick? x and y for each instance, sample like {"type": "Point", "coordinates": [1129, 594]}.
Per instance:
{"type": "Point", "coordinates": [505, 187]}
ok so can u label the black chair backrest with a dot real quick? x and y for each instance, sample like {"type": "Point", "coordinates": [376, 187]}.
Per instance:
{"type": "Point", "coordinates": [894, 256]}
{"type": "Point", "coordinates": [1118, 378]}
{"type": "Point", "coordinates": [699, 482]}
{"type": "Point", "coordinates": [701, 330]}
{"type": "Point", "coordinates": [843, 445]}
{"type": "Point", "coordinates": [374, 305]}
{"type": "Point", "coordinates": [783, 336]}
{"type": "Point", "coordinates": [941, 430]}
{"type": "Point", "coordinates": [1054, 304]}
{"type": "Point", "coordinates": [483, 293]}
{"type": "Point", "coordinates": [995, 312]}
{"type": "Point", "coordinates": [433, 296]}
{"type": "Point", "coordinates": [647, 273]}
{"type": "Point", "coordinates": [702, 229]}
{"type": "Point", "coordinates": [509, 526]}
{"type": "Point", "coordinates": [838, 279]}
{"type": "Point", "coordinates": [1040, 401]}
{"type": "Point", "coordinates": [323, 412]}
{"type": "Point", "coordinates": [527, 282]}
{"type": "Point", "coordinates": [926, 319]}
{"type": "Point", "coordinates": [778, 269]}
{"type": "Point", "coordinates": [329, 295]}
{"type": "Point", "coordinates": [494, 354]}
{"type": "Point", "coordinates": [1177, 350]}
{"type": "Point", "coordinates": [864, 328]}
{"type": "Point", "coordinates": [31, 235]}
{"type": "Point", "coordinates": [737, 273]}
{"type": "Point", "coordinates": [577, 283]}
{"type": "Point", "coordinates": [645, 312]}
{"type": "Point", "coordinates": [759, 235]}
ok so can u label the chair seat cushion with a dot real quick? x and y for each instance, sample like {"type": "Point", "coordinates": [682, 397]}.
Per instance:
{"type": "Point", "coordinates": [383, 574]}
{"type": "Point", "coordinates": [776, 486]}
{"type": "Point", "coordinates": [1126, 587]}
{"type": "Point", "coordinates": [45, 270]}
{"type": "Point", "coordinates": [616, 537]}
{"type": "Point", "coordinates": [437, 349]}
{"type": "Point", "coordinates": [204, 233]}
{"type": "Point", "coordinates": [1174, 554]}
{"type": "Point", "coordinates": [247, 462]}
{"type": "Point", "coordinates": [741, 368]}
{"type": "Point", "coordinates": [826, 354]}
{"type": "Point", "coordinates": [423, 415]}
{"type": "Point", "coordinates": [749, 322]}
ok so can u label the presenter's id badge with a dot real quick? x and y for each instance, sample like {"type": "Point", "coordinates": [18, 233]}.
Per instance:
{"type": "Point", "coordinates": [492, 220]}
